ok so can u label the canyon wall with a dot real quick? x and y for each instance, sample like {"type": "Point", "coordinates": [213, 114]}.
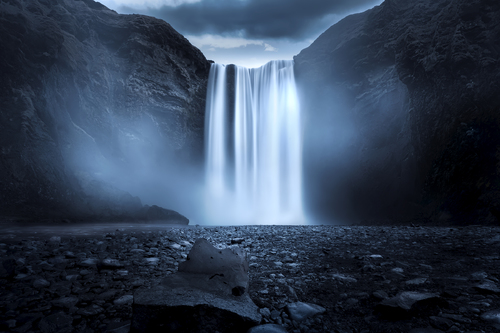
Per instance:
{"type": "Point", "coordinates": [402, 118]}
{"type": "Point", "coordinates": [93, 103]}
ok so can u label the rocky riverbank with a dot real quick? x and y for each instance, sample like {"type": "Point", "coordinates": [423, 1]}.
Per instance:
{"type": "Point", "coordinates": [369, 279]}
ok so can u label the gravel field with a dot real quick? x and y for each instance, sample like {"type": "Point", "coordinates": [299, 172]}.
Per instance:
{"type": "Point", "coordinates": [369, 279]}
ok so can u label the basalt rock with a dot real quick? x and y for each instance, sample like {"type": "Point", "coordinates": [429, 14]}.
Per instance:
{"type": "Point", "coordinates": [209, 293]}
{"type": "Point", "coordinates": [402, 101]}
{"type": "Point", "coordinates": [89, 98]}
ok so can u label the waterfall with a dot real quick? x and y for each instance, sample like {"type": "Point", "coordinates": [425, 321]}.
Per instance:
{"type": "Point", "coordinates": [253, 145]}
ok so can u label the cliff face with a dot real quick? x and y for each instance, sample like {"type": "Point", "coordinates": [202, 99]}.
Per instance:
{"type": "Point", "coordinates": [403, 99]}
{"type": "Point", "coordinates": [88, 95]}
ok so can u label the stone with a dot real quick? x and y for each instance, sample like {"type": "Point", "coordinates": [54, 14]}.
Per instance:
{"type": "Point", "coordinates": [55, 239]}
{"type": "Point", "coordinates": [65, 302]}
{"type": "Point", "coordinates": [231, 263]}
{"type": "Point", "coordinates": [344, 278]}
{"type": "Point", "coordinates": [56, 323]}
{"type": "Point", "coordinates": [124, 300]}
{"type": "Point", "coordinates": [380, 294]}
{"type": "Point", "coordinates": [407, 303]}
{"type": "Point", "coordinates": [109, 264]}
{"type": "Point", "coordinates": [40, 283]}
{"type": "Point", "coordinates": [493, 317]}
{"type": "Point", "coordinates": [237, 240]}
{"type": "Point", "coordinates": [441, 323]}
{"type": "Point", "coordinates": [206, 294]}
{"type": "Point", "coordinates": [89, 262]}
{"type": "Point", "coordinates": [300, 311]}
{"type": "Point", "coordinates": [416, 281]}
{"type": "Point", "coordinates": [267, 328]}
{"type": "Point", "coordinates": [265, 312]}
{"type": "Point", "coordinates": [487, 287]}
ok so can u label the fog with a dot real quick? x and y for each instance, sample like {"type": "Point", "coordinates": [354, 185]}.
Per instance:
{"type": "Point", "coordinates": [356, 162]}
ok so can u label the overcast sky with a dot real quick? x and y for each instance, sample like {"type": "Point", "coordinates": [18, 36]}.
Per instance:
{"type": "Point", "coordinates": [246, 32]}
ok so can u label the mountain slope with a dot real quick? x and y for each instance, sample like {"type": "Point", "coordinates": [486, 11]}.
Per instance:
{"type": "Point", "coordinates": [88, 95]}
{"type": "Point", "coordinates": [406, 97]}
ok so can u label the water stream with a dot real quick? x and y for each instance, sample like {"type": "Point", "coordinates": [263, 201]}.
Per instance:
{"type": "Point", "coordinates": [254, 145]}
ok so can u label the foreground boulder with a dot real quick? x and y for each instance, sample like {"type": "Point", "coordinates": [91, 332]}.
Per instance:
{"type": "Point", "coordinates": [208, 294]}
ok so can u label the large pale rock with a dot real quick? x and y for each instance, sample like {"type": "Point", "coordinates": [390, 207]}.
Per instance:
{"type": "Point", "coordinates": [207, 294]}
{"type": "Point", "coordinates": [229, 263]}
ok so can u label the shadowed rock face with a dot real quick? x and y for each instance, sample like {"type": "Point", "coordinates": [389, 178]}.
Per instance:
{"type": "Point", "coordinates": [403, 101]}
{"type": "Point", "coordinates": [86, 94]}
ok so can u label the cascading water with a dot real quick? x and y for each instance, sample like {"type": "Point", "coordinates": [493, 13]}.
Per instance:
{"type": "Point", "coordinates": [254, 145]}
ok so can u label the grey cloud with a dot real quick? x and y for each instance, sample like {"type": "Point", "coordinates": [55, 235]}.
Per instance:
{"type": "Point", "coordinates": [290, 19]}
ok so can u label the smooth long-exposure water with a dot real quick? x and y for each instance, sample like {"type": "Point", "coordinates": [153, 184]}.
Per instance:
{"type": "Point", "coordinates": [254, 145]}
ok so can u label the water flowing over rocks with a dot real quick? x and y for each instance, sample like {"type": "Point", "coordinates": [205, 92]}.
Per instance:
{"type": "Point", "coordinates": [402, 101]}
{"type": "Point", "coordinates": [89, 100]}
{"type": "Point", "coordinates": [88, 281]}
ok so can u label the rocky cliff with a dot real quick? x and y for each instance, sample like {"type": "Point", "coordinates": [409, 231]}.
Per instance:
{"type": "Point", "coordinates": [90, 99]}
{"type": "Point", "coordinates": [402, 104]}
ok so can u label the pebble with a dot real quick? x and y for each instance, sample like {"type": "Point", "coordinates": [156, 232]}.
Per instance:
{"type": "Point", "coordinates": [124, 300]}
{"type": "Point", "coordinates": [299, 311]}
{"type": "Point", "coordinates": [87, 283]}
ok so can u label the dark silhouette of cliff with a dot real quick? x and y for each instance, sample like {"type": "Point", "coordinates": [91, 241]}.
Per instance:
{"type": "Point", "coordinates": [402, 113]}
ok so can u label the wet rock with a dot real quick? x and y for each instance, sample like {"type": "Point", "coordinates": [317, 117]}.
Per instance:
{"type": "Point", "coordinates": [55, 239]}
{"type": "Point", "coordinates": [441, 323]}
{"type": "Point", "coordinates": [417, 281]}
{"type": "Point", "coordinates": [492, 317]}
{"type": "Point", "coordinates": [230, 263]}
{"type": "Point", "coordinates": [380, 294]}
{"type": "Point", "coordinates": [56, 323]}
{"type": "Point", "coordinates": [124, 300]}
{"type": "Point", "coordinates": [407, 303]}
{"type": "Point", "coordinates": [344, 278]}
{"type": "Point", "coordinates": [41, 283]}
{"type": "Point", "coordinates": [267, 328]}
{"type": "Point", "coordinates": [487, 287]}
{"type": "Point", "coordinates": [89, 262]}
{"type": "Point", "coordinates": [65, 302]}
{"type": "Point", "coordinates": [109, 264]}
{"type": "Point", "coordinates": [300, 311]}
{"type": "Point", "coordinates": [265, 312]}
{"type": "Point", "coordinates": [200, 296]}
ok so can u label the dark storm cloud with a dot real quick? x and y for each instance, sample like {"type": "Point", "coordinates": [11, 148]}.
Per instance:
{"type": "Point", "coordinates": [291, 19]}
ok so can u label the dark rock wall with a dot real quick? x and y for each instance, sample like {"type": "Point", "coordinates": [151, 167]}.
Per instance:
{"type": "Point", "coordinates": [88, 95]}
{"type": "Point", "coordinates": [401, 102]}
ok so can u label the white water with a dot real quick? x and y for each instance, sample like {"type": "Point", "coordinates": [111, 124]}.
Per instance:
{"type": "Point", "coordinates": [254, 146]}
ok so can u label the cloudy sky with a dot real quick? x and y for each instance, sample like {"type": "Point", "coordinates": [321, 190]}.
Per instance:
{"type": "Point", "coordinates": [246, 32]}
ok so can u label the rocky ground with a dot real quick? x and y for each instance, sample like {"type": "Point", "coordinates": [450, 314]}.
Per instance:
{"type": "Point", "coordinates": [369, 279]}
